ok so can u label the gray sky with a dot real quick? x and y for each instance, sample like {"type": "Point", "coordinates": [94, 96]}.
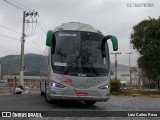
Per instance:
{"type": "Point", "coordinates": [112, 17]}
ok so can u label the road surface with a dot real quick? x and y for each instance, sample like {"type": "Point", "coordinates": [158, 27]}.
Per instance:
{"type": "Point", "coordinates": [36, 102]}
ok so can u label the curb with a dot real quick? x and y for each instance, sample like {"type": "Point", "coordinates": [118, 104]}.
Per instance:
{"type": "Point", "coordinates": [136, 95]}
{"type": "Point", "coordinates": [6, 94]}
{"type": "Point", "coordinates": [155, 96]}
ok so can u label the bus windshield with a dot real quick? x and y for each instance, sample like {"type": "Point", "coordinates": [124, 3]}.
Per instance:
{"type": "Point", "coordinates": [79, 54]}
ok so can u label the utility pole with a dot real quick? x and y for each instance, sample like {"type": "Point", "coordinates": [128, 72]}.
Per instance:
{"type": "Point", "coordinates": [22, 52]}
{"type": "Point", "coordinates": [129, 53]}
{"type": "Point", "coordinates": [116, 63]}
{"type": "Point", "coordinates": [22, 67]}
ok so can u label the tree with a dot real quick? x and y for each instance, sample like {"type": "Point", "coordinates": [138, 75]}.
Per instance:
{"type": "Point", "coordinates": [145, 38]}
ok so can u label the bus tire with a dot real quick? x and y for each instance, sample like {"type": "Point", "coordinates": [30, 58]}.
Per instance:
{"type": "Point", "coordinates": [90, 102]}
{"type": "Point", "coordinates": [42, 93]}
{"type": "Point", "coordinates": [48, 99]}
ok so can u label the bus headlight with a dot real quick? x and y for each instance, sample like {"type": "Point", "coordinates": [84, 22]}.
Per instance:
{"type": "Point", "coordinates": [56, 85]}
{"type": "Point", "coordinates": [104, 87]}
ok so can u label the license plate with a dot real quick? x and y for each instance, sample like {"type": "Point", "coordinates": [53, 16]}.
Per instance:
{"type": "Point", "coordinates": [82, 94]}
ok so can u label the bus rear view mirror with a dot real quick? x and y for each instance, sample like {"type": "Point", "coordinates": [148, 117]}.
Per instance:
{"type": "Point", "coordinates": [114, 41]}
{"type": "Point", "coordinates": [49, 38]}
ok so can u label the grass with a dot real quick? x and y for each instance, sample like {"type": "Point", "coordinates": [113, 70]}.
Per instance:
{"type": "Point", "coordinates": [135, 93]}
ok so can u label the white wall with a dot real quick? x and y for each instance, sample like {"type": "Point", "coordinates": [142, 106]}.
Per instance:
{"type": "Point", "coordinates": [124, 76]}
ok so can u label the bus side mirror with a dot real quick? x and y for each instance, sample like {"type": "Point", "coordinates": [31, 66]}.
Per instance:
{"type": "Point", "coordinates": [114, 41]}
{"type": "Point", "coordinates": [49, 38]}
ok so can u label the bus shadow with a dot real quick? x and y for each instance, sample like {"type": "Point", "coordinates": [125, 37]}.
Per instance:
{"type": "Point", "coordinates": [67, 104]}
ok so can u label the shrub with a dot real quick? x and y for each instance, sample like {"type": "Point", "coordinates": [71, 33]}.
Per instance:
{"type": "Point", "coordinates": [115, 85]}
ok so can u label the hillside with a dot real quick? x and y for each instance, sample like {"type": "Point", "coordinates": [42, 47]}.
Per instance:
{"type": "Point", "coordinates": [33, 65]}
{"type": "Point", "coordinates": [120, 67]}
{"type": "Point", "coordinates": [11, 64]}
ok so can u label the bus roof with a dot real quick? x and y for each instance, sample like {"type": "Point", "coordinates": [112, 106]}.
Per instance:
{"type": "Point", "coordinates": [76, 26]}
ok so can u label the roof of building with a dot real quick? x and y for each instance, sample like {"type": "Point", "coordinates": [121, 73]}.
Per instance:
{"type": "Point", "coordinates": [25, 77]}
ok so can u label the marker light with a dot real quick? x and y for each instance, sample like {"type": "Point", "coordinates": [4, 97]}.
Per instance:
{"type": "Point", "coordinates": [56, 85]}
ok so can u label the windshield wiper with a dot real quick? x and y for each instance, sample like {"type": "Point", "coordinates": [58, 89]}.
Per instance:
{"type": "Point", "coordinates": [71, 63]}
{"type": "Point", "coordinates": [95, 71]}
{"type": "Point", "coordinates": [59, 52]}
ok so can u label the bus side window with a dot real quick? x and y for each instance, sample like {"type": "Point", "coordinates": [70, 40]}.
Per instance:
{"type": "Point", "coordinates": [103, 51]}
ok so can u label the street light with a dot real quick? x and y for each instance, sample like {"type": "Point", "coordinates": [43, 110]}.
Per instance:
{"type": "Point", "coordinates": [129, 53]}
{"type": "Point", "coordinates": [116, 63]}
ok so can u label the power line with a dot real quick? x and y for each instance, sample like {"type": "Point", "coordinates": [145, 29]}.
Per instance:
{"type": "Point", "coordinates": [22, 8]}
{"type": "Point", "coordinates": [22, 5]}
{"type": "Point", "coordinates": [29, 34]}
{"type": "Point", "coordinates": [43, 22]}
{"type": "Point", "coordinates": [34, 43]}
{"type": "Point", "coordinates": [40, 26]}
{"type": "Point", "coordinates": [10, 29]}
{"type": "Point", "coordinates": [27, 30]}
{"type": "Point", "coordinates": [39, 46]}
{"type": "Point", "coordinates": [13, 5]}
{"type": "Point", "coordinates": [8, 37]}
{"type": "Point", "coordinates": [18, 39]}
{"type": "Point", "coordinates": [40, 50]}
{"type": "Point", "coordinates": [33, 10]}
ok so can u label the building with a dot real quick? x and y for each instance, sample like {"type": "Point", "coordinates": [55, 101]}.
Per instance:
{"type": "Point", "coordinates": [125, 76]}
{"type": "Point", "coordinates": [122, 76]}
{"type": "Point", "coordinates": [31, 81]}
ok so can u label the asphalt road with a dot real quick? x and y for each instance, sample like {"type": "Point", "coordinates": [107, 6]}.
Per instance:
{"type": "Point", "coordinates": [36, 102]}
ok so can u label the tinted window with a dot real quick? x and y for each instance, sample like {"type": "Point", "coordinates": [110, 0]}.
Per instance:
{"type": "Point", "coordinates": [79, 52]}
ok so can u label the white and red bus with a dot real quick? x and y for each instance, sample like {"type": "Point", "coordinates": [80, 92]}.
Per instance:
{"type": "Point", "coordinates": [78, 64]}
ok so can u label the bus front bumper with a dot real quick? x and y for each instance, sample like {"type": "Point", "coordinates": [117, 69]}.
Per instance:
{"type": "Point", "coordinates": [71, 95]}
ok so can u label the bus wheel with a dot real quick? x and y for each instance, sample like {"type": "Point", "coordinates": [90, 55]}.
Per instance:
{"type": "Point", "coordinates": [48, 99]}
{"type": "Point", "coordinates": [42, 93]}
{"type": "Point", "coordinates": [90, 102]}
